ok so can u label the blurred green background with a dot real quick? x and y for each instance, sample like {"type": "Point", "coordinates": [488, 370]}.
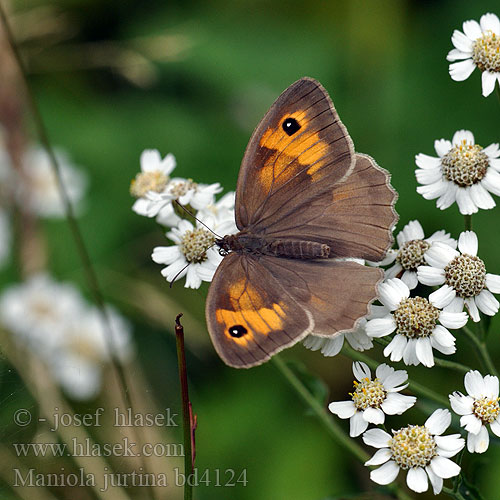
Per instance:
{"type": "Point", "coordinates": [214, 68]}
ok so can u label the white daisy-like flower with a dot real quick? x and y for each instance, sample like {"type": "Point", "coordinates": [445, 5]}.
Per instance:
{"type": "Point", "coordinates": [38, 188]}
{"type": "Point", "coordinates": [5, 238]}
{"type": "Point", "coordinates": [479, 408]}
{"type": "Point", "coordinates": [477, 47]}
{"type": "Point", "coordinates": [195, 254]}
{"type": "Point", "coordinates": [415, 321]}
{"type": "Point", "coordinates": [412, 245]}
{"type": "Point", "coordinates": [464, 172]}
{"type": "Point", "coordinates": [153, 177]}
{"type": "Point", "coordinates": [373, 399]}
{"type": "Point", "coordinates": [422, 450]}
{"type": "Point", "coordinates": [462, 276]}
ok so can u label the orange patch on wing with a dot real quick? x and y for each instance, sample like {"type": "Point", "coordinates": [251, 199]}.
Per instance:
{"type": "Point", "coordinates": [290, 154]}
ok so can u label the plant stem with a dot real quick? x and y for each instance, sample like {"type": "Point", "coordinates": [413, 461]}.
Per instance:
{"type": "Point", "coordinates": [482, 350]}
{"type": "Point", "coordinates": [468, 222]}
{"type": "Point", "coordinates": [189, 421]}
{"type": "Point", "coordinates": [454, 494]}
{"type": "Point", "coordinates": [417, 388]}
{"type": "Point", "coordinates": [497, 88]}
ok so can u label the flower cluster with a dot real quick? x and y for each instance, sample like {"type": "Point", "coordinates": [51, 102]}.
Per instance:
{"type": "Point", "coordinates": [53, 321]}
{"type": "Point", "coordinates": [172, 201]}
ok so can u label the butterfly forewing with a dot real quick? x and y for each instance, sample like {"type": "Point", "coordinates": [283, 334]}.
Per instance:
{"type": "Point", "coordinates": [298, 150]}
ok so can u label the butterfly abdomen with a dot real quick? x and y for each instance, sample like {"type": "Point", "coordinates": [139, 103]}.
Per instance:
{"type": "Point", "coordinates": [258, 245]}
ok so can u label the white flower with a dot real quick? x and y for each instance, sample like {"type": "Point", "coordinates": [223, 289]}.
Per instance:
{"type": "Point", "coordinates": [5, 238]}
{"type": "Point", "coordinates": [156, 191]}
{"type": "Point", "coordinates": [195, 253]}
{"type": "Point", "coordinates": [373, 399]}
{"type": "Point", "coordinates": [415, 321]}
{"type": "Point", "coordinates": [477, 47]}
{"type": "Point", "coordinates": [464, 173]}
{"type": "Point", "coordinates": [463, 277]}
{"type": "Point", "coordinates": [419, 449]}
{"type": "Point", "coordinates": [153, 177]}
{"type": "Point", "coordinates": [412, 247]}
{"type": "Point", "coordinates": [38, 188]}
{"type": "Point", "coordinates": [477, 409]}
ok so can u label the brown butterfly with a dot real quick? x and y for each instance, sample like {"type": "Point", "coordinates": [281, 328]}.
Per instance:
{"type": "Point", "coordinates": [305, 201]}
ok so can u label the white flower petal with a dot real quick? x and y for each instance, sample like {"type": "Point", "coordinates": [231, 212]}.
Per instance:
{"type": "Point", "coordinates": [343, 409]}
{"type": "Point", "coordinates": [331, 347]}
{"type": "Point", "coordinates": [461, 404]}
{"type": "Point", "coordinates": [461, 41]}
{"type": "Point", "coordinates": [433, 190]}
{"type": "Point", "coordinates": [409, 278]}
{"type": "Point", "coordinates": [481, 197]}
{"type": "Point", "coordinates": [394, 379]}
{"type": "Point", "coordinates": [441, 348]}
{"type": "Point", "coordinates": [478, 443]}
{"type": "Point", "coordinates": [444, 467]}
{"type": "Point", "coordinates": [395, 349]}
{"type": "Point", "coordinates": [361, 371]}
{"type": "Point", "coordinates": [384, 371]}
{"type": "Point", "coordinates": [452, 319]}
{"type": "Point", "coordinates": [471, 423]}
{"type": "Point", "coordinates": [467, 242]}
{"type": "Point", "coordinates": [416, 479]}
{"type": "Point", "coordinates": [427, 162]}
{"type": "Point", "coordinates": [491, 181]}
{"type": "Point", "coordinates": [167, 255]}
{"type": "Point", "coordinates": [487, 303]}
{"type": "Point", "coordinates": [443, 237]}
{"type": "Point", "coordinates": [460, 71]}
{"type": "Point", "coordinates": [443, 336]}
{"type": "Point", "coordinates": [491, 386]}
{"type": "Point", "coordinates": [392, 292]}
{"type": "Point", "coordinates": [442, 146]}
{"type": "Point", "coordinates": [428, 175]}
{"type": "Point", "coordinates": [493, 282]}
{"type": "Point", "coordinates": [439, 421]}
{"type": "Point", "coordinates": [357, 424]}
{"type": "Point", "coordinates": [374, 416]}
{"type": "Point", "coordinates": [423, 351]}
{"type": "Point", "coordinates": [456, 305]}
{"type": "Point", "coordinates": [473, 310]}
{"type": "Point", "coordinates": [463, 135]}
{"type": "Point", "coordinates": [379, 327]}
{"type": "Point", "coordinates": [448, 198]}
{"type": "Point", "coordinates": [381, 457]}
{"type": "Point", "coordinates": [410, 354]}
{"type": "Point", "coordinates": [449, 445]}
{"type": "Point", "coordinates": [436, 481]}
{"type": "Point", "coordinates": [431, 276]}
{"type": "Point", "coordinates": [385, 474]}
{"type": "Point", "coordinates": [377, 438]}
{"type": "Point", "coordinates": [490, 22]}
{"type": "Point", "coordinates": [150, 160]}
{"type": "Point", "coordinates": [396, 404]}
{"type": "Point", "coordinates": [472, 29]}
{"type": "Point", "coordinates": [457, 55]}
{"type": "Point", "coordinates": [495, 427]}
{"type": "Point", "coordinates": [442, 297]}
{"type": "Point", "coordinates": [464, 201]}
{"type": "Point", "coordinates": [440, 255]}
{"type": "Point", "coordinates": [474, 383]}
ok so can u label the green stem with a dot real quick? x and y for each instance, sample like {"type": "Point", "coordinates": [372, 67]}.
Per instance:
{"type": "Point", "coordinates": [417, 388]}
{"type": "Point", "coordinates": [468, 222]}
{"type": "Point", "coordinates": [189, 423]}
{"type": "Point", "coordinates": [497, 88]}
{"type": "Point", "coordinates": [454, 494]}
{"type": "Point", "coordinates": [482, 350]}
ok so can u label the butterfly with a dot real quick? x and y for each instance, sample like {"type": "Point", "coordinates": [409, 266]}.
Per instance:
{"type": "Point", "coordinates": [305, 202]}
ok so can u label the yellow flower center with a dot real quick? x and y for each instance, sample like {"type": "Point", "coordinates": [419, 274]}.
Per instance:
{"type": "Point", "coordinates": [416, 317]}
{"type": "Point", "coordinates": [148, 181]}
{"type": "Point", "coordinates": [486, 52]}
{"type": "Point", "coordinates": [411, 254]}
{"type": "Point", "coordinates": [413, 446]}
{"type": "Point", "coordinates": [368, 393]}
{"type": "Point", "coordinates": [194, 244]}
{"type": "Point", "coordinates": [486, 409]}
{"type": "Point", "coordinates": [466, 274]}
{"type": "Point", "coordinates": [465, 164]}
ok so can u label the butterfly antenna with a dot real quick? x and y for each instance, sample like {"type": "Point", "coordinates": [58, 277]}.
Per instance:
{"type": "Point", "coordinates": [196, 218]}
{"type": "Point", "coordinates": [177, 275]}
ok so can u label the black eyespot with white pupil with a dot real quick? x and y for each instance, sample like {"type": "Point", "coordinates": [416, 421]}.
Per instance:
{"type": "Point", "coordinates": [290, 126]}
{"type": "Point", "coordinates": [237, 331]}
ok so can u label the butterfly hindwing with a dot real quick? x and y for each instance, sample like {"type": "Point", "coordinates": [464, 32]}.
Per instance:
{"type": "Point", "coordinates": [299, 149]}
{"type": "Point", "coordinates": [269, 303]}
{"type": "Point", "coordinates": [249, 314]}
